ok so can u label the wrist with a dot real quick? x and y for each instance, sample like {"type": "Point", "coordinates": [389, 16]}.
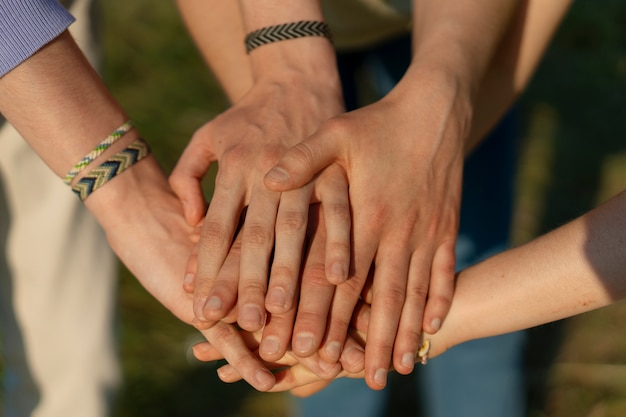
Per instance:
{"type": "Point", "coordinates": [131, 189]}
{"type": "Point", "coordinates": [433, 102]}
{"type": "Point", "coordinates": [310, 56]}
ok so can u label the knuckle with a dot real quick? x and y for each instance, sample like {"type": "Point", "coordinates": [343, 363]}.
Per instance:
{"type": "Point", "coordinates": [338, 324]}
{"type": "Point", "coordinates": [253, 288]}
{"type": "Point", "coordinates": [339, 212]}
{"type": "Point", "coordinates": [270, 155]}
{"type": "Point", "coordinates": [302, 154]}
{"type": "Point", "coordinates": [291, 222]}
{"type": "Point", "coordinates": [391, 298]}
{"type": "Point", "coordinates": [256, 234]}
{"type": "Point", "coordinates": [309, 319]}
{"type": "Point", "coordinates": [214, 235]}
{"type": "Point", "coordinates": [283, 273]}
{"type": "Point", "coordinates": [315, 274]}
{"type": "Point", "coordinates": [338, 247]}
{"type": "Point", "coordinates": [338, 126]}
{"type": "Point", "coordinates": [440, 300]}
{"type": "Point", "coordinates": [223, 333]}
{"type": "Point", "coordinates": [417, 292]}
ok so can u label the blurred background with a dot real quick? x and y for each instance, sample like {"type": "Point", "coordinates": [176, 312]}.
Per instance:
{"type": "Point", "coordinates": [573, 157]}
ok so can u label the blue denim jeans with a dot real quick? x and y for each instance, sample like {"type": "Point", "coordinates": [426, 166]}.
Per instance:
{"type": "Point", "coordinates": [481, 378]}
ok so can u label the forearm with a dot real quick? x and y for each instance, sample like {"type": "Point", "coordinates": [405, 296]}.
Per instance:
{"type": "Point", "coordinates": [217, 29]}
{"type": "Point", "coordinates": [515, 61]}
{"type": "Point", "coordinates": [459, 38]}
{"type": "Point", "coordinates": [311, 58]}
{"type": "Point", "coordinates": [453, 43]}
{"type": "Point", "coordinates": [576, 268]}
{"type": "Point", "coordinates": [59, 104]}
{"type": "Point", "coordinates": [62, 108]}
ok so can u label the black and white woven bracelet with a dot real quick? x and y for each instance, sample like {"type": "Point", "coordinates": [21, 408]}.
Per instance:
{"type": "Point", "coordinates": [287, 31]}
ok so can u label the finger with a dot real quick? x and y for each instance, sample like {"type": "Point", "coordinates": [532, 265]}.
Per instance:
{"type": "Point", "coordinates": [187, 175]}
{"type": "Point", "coordinates": [223, 295]}
{"type": "Point", "coordinates": [277, 335]}
{"type": "Point", "coordinates": [215, 242]}
{"type": "Point", "coordinates": [441, 287]}
{"type": "Point", "coordinates": [257, 245]}
{"type": "Point", "coordinates": [229, 374]}
{"type": "Point", "coordinates": [230, 343]}
{"type": "Point", "coordinates": [316, 294]}
{"type": "Point", "coordinates": [300, 163]}
{"type": "Point", "coordinates": [310, 389]}
{"type": "Point", "coordinates": [298, 376]}
{"type": "Point", "coordinates": [206, 352]}
{"type": "Point", "coordinates": [348, 293]}
{"type": "Point", "coordinates": [190, 271]}
{"type": "Point", "coordinates": [388, 297]}
{"type": "Point", "coordinates": [291, 227]}
{"type": "Point", "coordinates": [353, 355]}
{"type": "Point", "coordinates": [410, 327]}
{"type": "Point", "coordinates": [361, 317]}
{"type": "Point", "coordinates": [333, 193]}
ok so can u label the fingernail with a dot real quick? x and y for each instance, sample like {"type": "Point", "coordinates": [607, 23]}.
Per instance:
{"type": "Point", "coordinates": [277, 297]}
{"type": "Point", "coordinates": [270, 345]}
{"type": "Point", "coordinates": [213, 303]}
{"type": "Point", "coordinates": [278, 174]}
{"type": "Point", "coordinates": [338, 271]}
{"type": "Point", "coordinates": [225, 372]}
{"type": "Point", "coordinates": [198, 308]}
{"type": "Point", "coordinates": [380, 377]}
{"type": "Point", "coordinates": [435, 324]}
{"type": "Point", "coordinates": [333, 351]}
{"type": "Point", "coordinates": [188, 279]}
{"type": "Point", "coordinates": [408, 360]}
{"type": "Point", "coordinates": [304, 342]}
{"type": "Point", "coordinates": [265, 379]}
{"type": "Point", "coordinates": [250, 314]}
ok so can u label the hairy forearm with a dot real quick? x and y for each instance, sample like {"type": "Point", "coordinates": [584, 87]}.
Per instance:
{"type": "Point", "coordinates": [59, 104]}
{"type": "Point", "coordinates": [217, 29]}
{"type": "Point", "coordinates": [576, 268]}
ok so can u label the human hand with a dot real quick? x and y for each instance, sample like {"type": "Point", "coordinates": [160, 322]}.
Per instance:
{"type": "Point", "coordinates": [143, 220]}
{"type": "Point", "coordinates": [248, 140]}
{"type": "Point", "coordinates": [312, 310]}
{"type": "Point", "coordinates": [296, 375]}
{"type": "Point", "coordinates": [403, 156]}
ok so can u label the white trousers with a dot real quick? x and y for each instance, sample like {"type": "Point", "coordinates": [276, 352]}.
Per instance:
{"type": "Point", "coordinates": [57, 286]}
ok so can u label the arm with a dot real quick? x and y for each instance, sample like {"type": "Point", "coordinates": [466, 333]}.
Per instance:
{"type": "Point", "coordinates": [515, 61]}
{"type": "Point", "coordinates": [295, 87]}
{"type": "Point", "coordinates": [404, 159]}
{"type": "Point", "coordinates": [218, 31]}
{"type": "Point", "coordinates": [574, 269]}
{"type": "Point", "coordinates": [58, 103]}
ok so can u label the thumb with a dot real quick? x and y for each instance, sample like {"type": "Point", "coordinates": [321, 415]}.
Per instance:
{"type": "Point", "coordinates": [186, 179]}
{"type": "Point", "coordinates": [302, 162]}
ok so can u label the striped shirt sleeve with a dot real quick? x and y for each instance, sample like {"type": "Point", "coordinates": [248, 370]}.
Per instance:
{"type": "Point", "coordinates": [26, 26]}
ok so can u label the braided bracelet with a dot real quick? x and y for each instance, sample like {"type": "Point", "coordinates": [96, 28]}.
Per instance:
{"type": "Point", "coordinates": [110, 168]}
{"type": "Point", "coordinates": [286, 31]}
{"type": "Point", "coordinates": [97, 151]}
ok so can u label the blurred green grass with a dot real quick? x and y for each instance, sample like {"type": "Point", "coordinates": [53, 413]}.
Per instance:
{"type": "Point", "coordinates": [573, 157]}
